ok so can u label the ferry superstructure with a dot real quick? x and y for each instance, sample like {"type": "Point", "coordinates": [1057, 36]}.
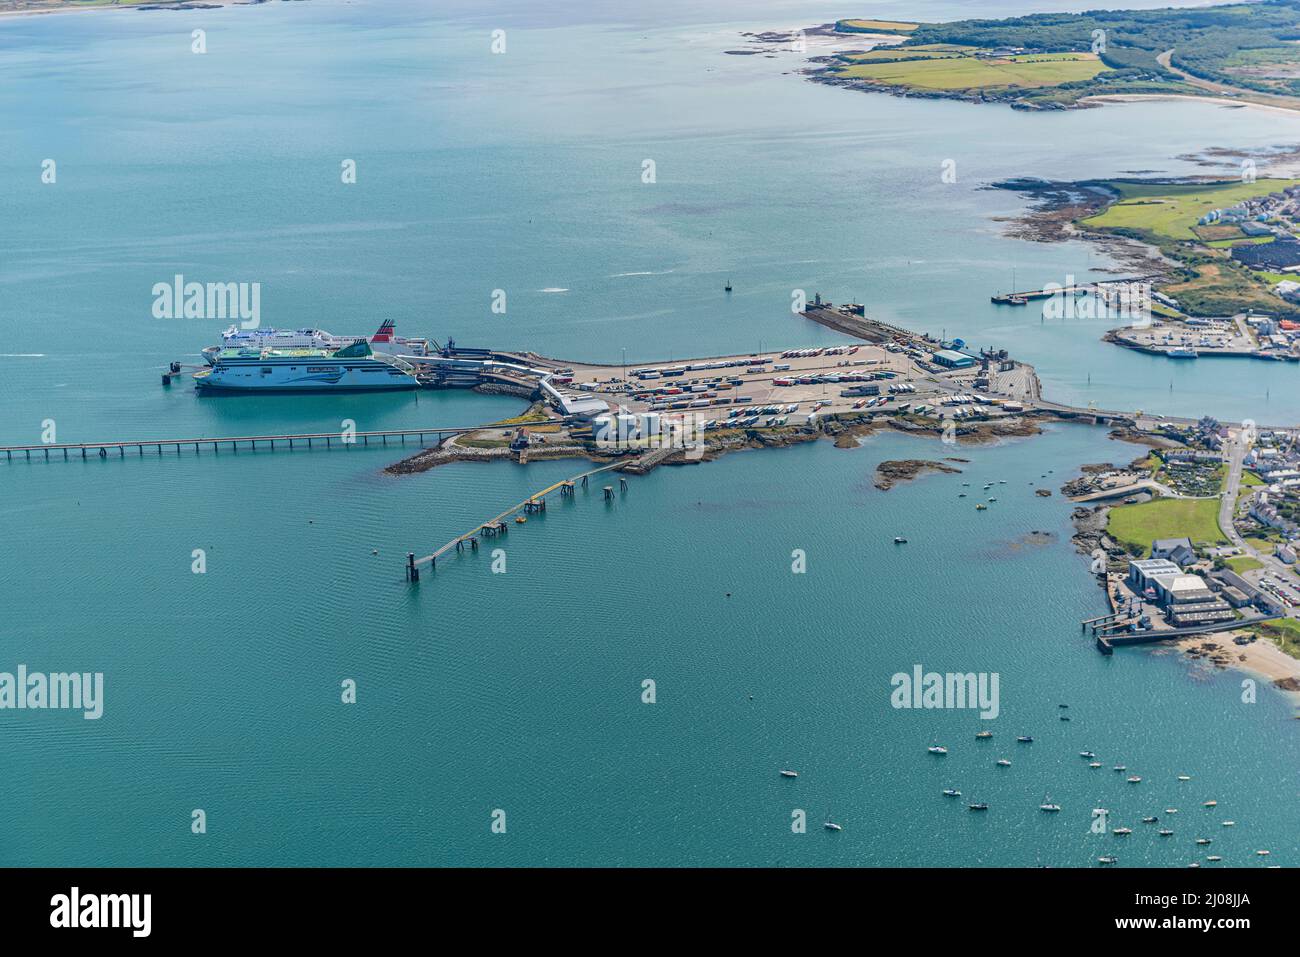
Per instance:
{"type": "Point", "coordinates": [354, 368]}
{"type": "Point", "coordinates": [385, 338]}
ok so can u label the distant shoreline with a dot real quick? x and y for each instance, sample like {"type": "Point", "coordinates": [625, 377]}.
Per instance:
{"type": "Point", "coordinates": [149, 6]}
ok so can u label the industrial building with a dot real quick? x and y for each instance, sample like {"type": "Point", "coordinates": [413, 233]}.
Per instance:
{"type": "Point", "coordinates": [952, 359]}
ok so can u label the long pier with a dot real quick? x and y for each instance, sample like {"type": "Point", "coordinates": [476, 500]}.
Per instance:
{"type": "Point", "coordinates": [290, 440]}
{"type": "Point", "coordinates": [496, 525]}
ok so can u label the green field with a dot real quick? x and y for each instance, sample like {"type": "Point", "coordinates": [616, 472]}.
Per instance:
{"type": "Point", "coordinates": [946, 72]}
{"type": "Point", "coordinates": [1169, 211]}
{"type": "Point", "coordinates": [876, 26]}
{"type": "Point", "coordinates": [1243, 563]}
{"type": "Point", "coordinates": [1137, 526]}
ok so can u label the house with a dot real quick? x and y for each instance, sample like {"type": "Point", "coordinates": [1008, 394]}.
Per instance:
{"type": "Point", "coordinates": [1177, 550]}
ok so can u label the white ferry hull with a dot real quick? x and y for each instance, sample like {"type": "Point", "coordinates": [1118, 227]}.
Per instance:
{"type": "Point", "coordinates": [305, 375]}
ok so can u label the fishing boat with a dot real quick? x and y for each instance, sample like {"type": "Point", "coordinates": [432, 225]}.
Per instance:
{"type": "Point", "coordinates": [1150, 820]}
{"type": "Point", "coordinates": [984, 807]}
{"type": "Point", "coordinates": [786, 773]}
{"type": "Point", "coordinates": [1204, 840]}
{"type": "Point", "coordinates": [936, 749]}
{"type": "Point", "coordinates": [983, 735]}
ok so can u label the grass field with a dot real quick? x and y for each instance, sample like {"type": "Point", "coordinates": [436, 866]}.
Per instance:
{"type": "Point", "coordinates": [1243, 563]}
{"type": "Point", "coordinates": [1223, 290]}
{"type": "Point", "coordinates": [1169, 211]}
{"type": "Point", "coordinates": [946, 72]}
{"type": "Point", "coordinates": [1137, 526]}
{"type": "Point", "coordinates": [878, 26]}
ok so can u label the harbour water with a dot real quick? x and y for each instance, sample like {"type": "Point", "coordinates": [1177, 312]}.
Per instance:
{"type": "Point", "coordinates": [522, 691]}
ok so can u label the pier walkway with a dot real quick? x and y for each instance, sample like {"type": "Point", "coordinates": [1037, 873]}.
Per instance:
{"type": "Point", "coordinates": [496, 524]}
{"type": "Point", "coordinates": [290, 440]}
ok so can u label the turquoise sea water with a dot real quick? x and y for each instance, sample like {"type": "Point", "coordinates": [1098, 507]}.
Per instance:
{"type": "Point", "coordinates": [522, 691]}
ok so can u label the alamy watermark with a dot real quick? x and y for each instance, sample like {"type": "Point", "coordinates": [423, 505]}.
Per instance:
{"type": "Point", "coordinates": [645, 431]}
{"type": "Point", "coordinates": [1120, 301]}
{"type": "Point", "coordinates": [35, 691]}
{"type": "Point", "coordinates": [923, 689]}
{"type": "Point", "coordinates": [179, 299]}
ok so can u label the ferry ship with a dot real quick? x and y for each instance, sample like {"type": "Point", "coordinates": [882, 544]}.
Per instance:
{"type": "Point", "coordinates": [353, 368]}
{"type": "Point", "coordinates": [385, 337]}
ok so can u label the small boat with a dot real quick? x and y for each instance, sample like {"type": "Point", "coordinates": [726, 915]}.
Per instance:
{"type": "Point", "coordinates": [1025, 739]}
{"type": "Point", "coordinates": [936, 749]}
{"type": "Point", "coordinates": [786, 773]}
{"type": "Point", "coordinates": [1003, 763]}
{"type": "Point", "coordinates": [519, 520]}
{"type": "Point", "coordinates": [1086, 754]}
{"type": "Point", "coordinates": [951, 792]}
{"type": "Point", "coordinates": [1229, 823]}
{"type": "Point", "coordinates": [1214, 857]}
{"type": "Point", "coordinates": [1134, 779]}
{"type": "Point", "coordinates": [1210, 804]}
{"type": "Point", "coordinates": [1204, 840]}
{"type": "Point", "coordinates": [1171, 810]}
{"type": "Point", "coordinates": [983, 735]}
{"type": "Point", "coordinates": [1108, 859]}
{"type": "Point", "coordinates": [1165, 832]}
{"type": "Point", "coordinates": [978, 807]}
{"type": "Point", "coordinates": [1150, 820]}
{"type": "Point", "coordinates": [1063, 706]}
{"type": "Point", "coordinates": [991, 499]}
{"type": "Point", "coordinates": [1065, 717]}
{"type": "Point", "coordinates": [899, 540]}
{"type": "Point", "coordinates": [832, 826]}
{"type": "Point", "coordinates": [1120, 767]}
{"type": "Point", "coordinates": [1121, 831]}
{"type": "Point", "coordinates": [1049, 807]}
{"type": "Point", "coordinates": [1262, 853]}
{"type": "Point", "coordinates": [727, 287]}
{"type": "Point", "coordinates": [1194, 864]}
{"type": "Point", "coordinates": [1095, 764]}
{"type": "Point", "coordinates": [1184, 777]}
{"type": "Point", "coordinates": [981, 507]}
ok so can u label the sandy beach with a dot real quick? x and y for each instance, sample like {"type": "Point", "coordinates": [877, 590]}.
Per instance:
{"type": "Point", "coordinates": [1261, 658]}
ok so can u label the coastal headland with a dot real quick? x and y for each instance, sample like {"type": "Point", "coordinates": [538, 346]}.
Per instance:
{"type": "Point", "coordinates": [1067, 61]}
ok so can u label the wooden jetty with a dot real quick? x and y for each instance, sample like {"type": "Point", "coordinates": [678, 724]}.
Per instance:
{"type": "Point", "coordinates": [310, 440]}
{"type": "Point", "coordinates": [496, 525]}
